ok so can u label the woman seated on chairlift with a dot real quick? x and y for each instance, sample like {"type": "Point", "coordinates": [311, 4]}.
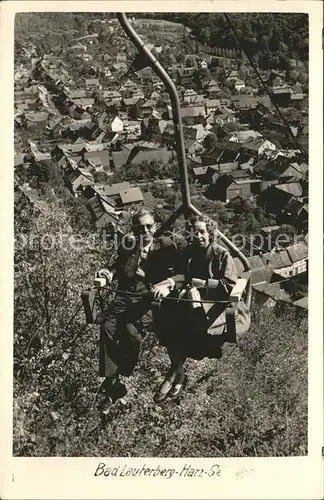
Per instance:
{"type": "Point", "coordinates": [194, 329]}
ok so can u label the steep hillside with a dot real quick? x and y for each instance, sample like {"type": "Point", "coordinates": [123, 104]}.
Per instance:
{"type": "Point", "coordinates": [252, 402]}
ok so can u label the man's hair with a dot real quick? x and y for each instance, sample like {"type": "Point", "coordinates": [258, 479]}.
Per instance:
{"type": "Point", "coordinates": [141, 213]}
{"type": "Point", "coordinates": [211, 225]}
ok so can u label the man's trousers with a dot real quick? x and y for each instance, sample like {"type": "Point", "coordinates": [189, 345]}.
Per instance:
{"type": "Point", "coordinates": [121, 333]}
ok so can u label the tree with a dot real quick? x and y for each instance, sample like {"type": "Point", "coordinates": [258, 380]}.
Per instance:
{"type": "Point", "coordinates": [293, 75]}
{"type": "Point", "coordinates": [100, 177]}
{"type": "Point", "coordinates": [191, 62]}
{"type": "Point", "coordinates": [210, 141]}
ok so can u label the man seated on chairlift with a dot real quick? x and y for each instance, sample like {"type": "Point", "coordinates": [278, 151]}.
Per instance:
{"type": "Point", "coordinates": [143, 267]}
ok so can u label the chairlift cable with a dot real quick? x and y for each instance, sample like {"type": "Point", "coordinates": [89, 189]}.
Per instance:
{"type": "Point", "coordinates": [264, 85]}
{"type": "Point", "coordinates": [134, 294]}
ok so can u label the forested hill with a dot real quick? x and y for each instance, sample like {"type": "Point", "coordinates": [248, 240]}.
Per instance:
{"type": "Point", "coordinates": [265, 35]}
{"type": "Point", "coordinates": [272, 38]}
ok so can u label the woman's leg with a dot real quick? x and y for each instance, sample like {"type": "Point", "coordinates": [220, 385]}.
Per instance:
{"type": "Point", "coordinates": [174, 377]}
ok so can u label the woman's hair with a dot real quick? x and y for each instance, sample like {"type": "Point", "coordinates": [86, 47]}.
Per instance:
{"type": "Point", "coordinates": [141, 213]}
{"type": "Point", "coordinates": [211, 225]}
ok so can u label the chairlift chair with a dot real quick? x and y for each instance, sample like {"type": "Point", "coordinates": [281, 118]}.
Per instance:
{"type": "Point", "coordinates": [242, 291]}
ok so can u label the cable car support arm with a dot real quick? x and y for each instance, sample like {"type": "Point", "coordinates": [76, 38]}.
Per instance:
{"type": "Point", "coordinates": [186, 208]}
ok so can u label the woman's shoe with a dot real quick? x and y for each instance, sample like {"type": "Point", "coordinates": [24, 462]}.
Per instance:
{"type": "Point", "coordinates": [163, 392]}
{"type": "Point", "coordinates": [178, 388]}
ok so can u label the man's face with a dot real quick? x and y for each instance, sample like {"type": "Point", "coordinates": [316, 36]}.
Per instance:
{"type": "Point", "coordinates": [144, 229]}
{"type": "Point", "coordinates": [201, 235]}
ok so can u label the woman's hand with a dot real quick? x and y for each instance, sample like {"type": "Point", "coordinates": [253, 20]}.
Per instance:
{"type": "Point", "coordinates": [198, 283]}
{"type": "Point", "coordinates": [194, 295]}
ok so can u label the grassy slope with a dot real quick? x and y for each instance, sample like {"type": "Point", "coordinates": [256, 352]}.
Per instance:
{"type": "Point", "coordinates": [253, 402]}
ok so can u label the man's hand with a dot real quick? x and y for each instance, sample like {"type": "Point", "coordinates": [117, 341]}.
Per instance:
{"type": "Point", "coordinates": [161, 290]}
{"type": "Point", "coordinates": [105, 273]}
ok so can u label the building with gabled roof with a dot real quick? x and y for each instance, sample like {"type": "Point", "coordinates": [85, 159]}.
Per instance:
{"type": "Point", "coordinates": [131, 196]}
{"type": "Point", "coordinates": [293, 188]}
{"type": "Point", "coordinates": [78, 180]}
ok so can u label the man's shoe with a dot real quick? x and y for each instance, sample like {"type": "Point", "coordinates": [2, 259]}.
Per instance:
{"type": "Point", "coordinates": [178, 388]}
{"type": "Point", "coordinates": [106, 405]}
{"type": "Point", "coordinates": [113, 393]}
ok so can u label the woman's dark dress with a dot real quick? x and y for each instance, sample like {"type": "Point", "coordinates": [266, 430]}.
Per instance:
{"type": "Point", "coordinates": [183, 329]}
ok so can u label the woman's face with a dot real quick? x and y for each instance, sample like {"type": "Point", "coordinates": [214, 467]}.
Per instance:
{"type": "Point", "coordinates": [201, 235]}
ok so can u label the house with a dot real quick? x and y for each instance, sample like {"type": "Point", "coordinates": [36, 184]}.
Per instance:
{"type": "Point", "coordinates": [84, 103]}
{"type": "Point", "coordinates": [295, 212]}
{"type": "Point", "coordinates": [111, 95]}
{"type": "Point", "coordinates": [274, 200]}
{"type": "Point", "coordinates": [203, 64]}
{"type": "Point", "coordinates": [121, 57]}
{"type": "Point", "coordinates": [102, 212]}
{"type": "Point", "coordinates": [242, 135]}
{"type": "Point", "coordinates": [211, 105]}
{"type": "Point", "coordinates": [257, 146]}
{"type": "Point", "coordinates": [19, 159]}
{"type": "Point", "coordinates": [227, 187]}
{"type": "Point", "coordinates": [199, 174]}
{"type": "Point", "coordinates": [291, 261]}
{"type": "Point", "coordinates": [301, 303]}
{"type": "Point", "coordinates": [298, 254]}
{"type": "Point", "coordinates": [36, 119]}
{"type": "Point", "coordinates": [75, 94]}
{"type": "Point", "coordinates": [297, 92]}
{"type": "Point", "coordinates": [232, 75]}
{"type": "Point", "coordinates": [281, 95]}
{"type": "Point", "coordinates": [119, 158]}
{"type": "Point", "coordinates": [244, 102]}
{"type": "Point", "coordinates": [192, 147]}
{"type": "Point", "coordinates": [260, 273]}
{"type": "Point", "coordinates": [78, 180]}
{"type": "Point", "coordinates": [162, 155]}
{"type": "Point", "coordinates": [276, 80]}
{"type": "Point", "coordinates": [119, 67]}
{"type": "Point", "coordinates": [116, 125]}
{"type": "Point", "coordinates": [224, 152]}
{"type": "Point", "coordinates": [128, 89]}
{"type": "Point", "coordinates": [196, 132]}
{"type": "Point", "coordinates": [184, 76]}
{"type": "Point", "coordinates": [189, 96]}
{"type": "Point", "coordinates": [293, 188]}
{"type": "Point", "coordinates": [155, 95]}
{"type": "Point", "coordinates": [213, 90]}
{"type": "Point", "coordinates": [130, 196]}
{"type": "Point", "coordinates": [191, 112]}
{"type": "Point", "coordinates": [147, 108]}
{"type": "Point", "coordinates": [92, 84]}
{"type": "Point", "coordinates": [132, 107]}
{"type": "Point", "coordinates": [113, 190]}
{"type": "Point", "coordinates": [224, 115]}
{"type": "Point", "coordinates": [276, 171]}
{"type": "Point", "coordinates": [99, 159]}
{"type": "Point", "coordinates": [268, 295]}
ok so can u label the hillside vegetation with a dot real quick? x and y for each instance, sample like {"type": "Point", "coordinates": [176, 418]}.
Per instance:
{"type": "Point", "coordinates": [252, 402]}
{"type": "Point", "coordinates": [272, 38]}
{"type": "Point", "coordinates": [267, 36]}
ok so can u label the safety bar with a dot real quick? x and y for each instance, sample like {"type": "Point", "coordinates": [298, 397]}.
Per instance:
{"type": "Point", "coordinates": [186, 208]}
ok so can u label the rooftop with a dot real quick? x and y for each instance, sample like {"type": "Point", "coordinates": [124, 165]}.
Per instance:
{"type": "Point", "coordinates": [131, 195]}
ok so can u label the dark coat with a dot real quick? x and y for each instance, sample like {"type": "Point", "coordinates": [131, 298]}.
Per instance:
{"type": "Point", "coordinates": [163, 261]}
{"type": "Point", "coordinates": [198, 333]}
